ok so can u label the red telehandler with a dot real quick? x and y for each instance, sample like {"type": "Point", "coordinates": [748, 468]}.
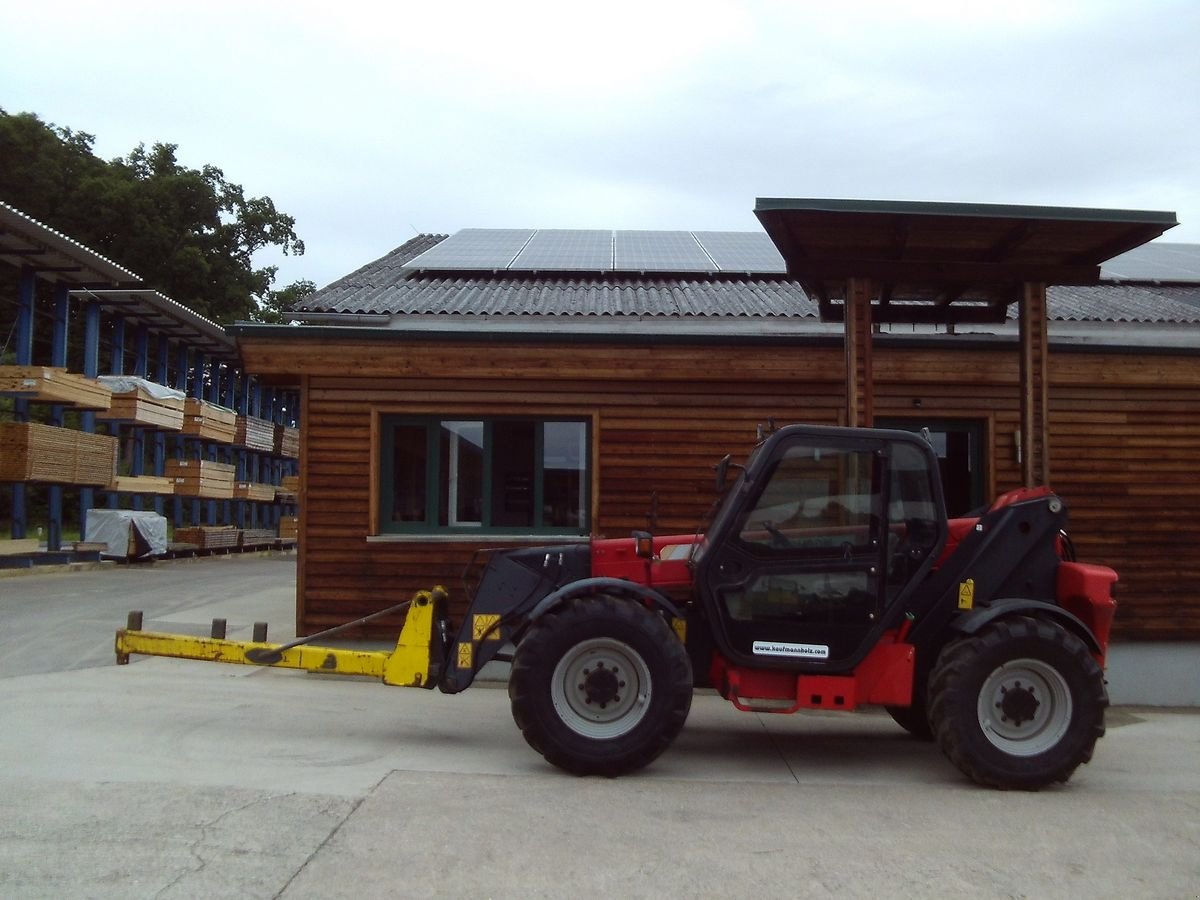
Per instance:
{"type": "Point", "coordinates": [828, 578]}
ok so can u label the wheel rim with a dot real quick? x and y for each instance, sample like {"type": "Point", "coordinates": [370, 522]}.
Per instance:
{"type": "Point", "coordinates": [601, 688]}
{"type": "Point", "coordinates": [1025, 707]}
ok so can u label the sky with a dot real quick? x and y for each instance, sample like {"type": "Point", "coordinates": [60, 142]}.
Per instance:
{"type": "Point", "coordinates": [371, 123]}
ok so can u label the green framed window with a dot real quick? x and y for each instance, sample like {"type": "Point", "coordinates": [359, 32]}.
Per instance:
{"type": "Point", "coordinates": [495, 475]}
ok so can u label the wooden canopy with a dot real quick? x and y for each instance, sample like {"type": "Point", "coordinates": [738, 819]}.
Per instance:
{"type": "Point", "coordinates": [869, 261]}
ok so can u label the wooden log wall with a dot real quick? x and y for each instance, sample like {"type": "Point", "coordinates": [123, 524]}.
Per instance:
{"type": "Point", "coordinates": [1125, 446]}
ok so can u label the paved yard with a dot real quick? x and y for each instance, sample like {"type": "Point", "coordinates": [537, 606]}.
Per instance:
{"type": "Point", "coordinates": [169, 778]}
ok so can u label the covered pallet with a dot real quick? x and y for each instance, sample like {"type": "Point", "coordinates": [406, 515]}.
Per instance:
{"type": "Point", "coordinates": [127, 533]}
{"type": "Point", "coordinates": [200, 478]}
{"type": "Point", "coordinates": [30, 451]}
{"type": "Point", "coordinates": [45, 384]}
{"type": "Point", "coordinates": [255, 434]}
{"type": "Point", "coordinates": [209, 537]}
{"type": "Point", "coordinates": [209, 421]}
{"type": "Point", "coordinates": [136, 401]}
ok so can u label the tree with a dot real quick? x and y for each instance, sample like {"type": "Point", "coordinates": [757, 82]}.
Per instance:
{"type": "Point", "coordinates": [277, 303]}
{"type": "Point", "coordinates": [189, 233]}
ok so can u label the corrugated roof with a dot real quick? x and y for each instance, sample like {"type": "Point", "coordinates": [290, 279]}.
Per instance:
{"type": "Point", "coordinates": [26, 241]}
{"type": "Point", "coordinates": [385, 288]}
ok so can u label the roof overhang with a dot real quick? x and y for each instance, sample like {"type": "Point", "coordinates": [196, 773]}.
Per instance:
{"type": "Point", "coordinates": [946, 263]}
{"type": "Point", "coordinates": [167, 317]}
{"type": "Point", "coordinates": [26, 242]}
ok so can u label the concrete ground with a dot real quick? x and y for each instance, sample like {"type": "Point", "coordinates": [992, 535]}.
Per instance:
{"type": "Point", "coordinates": [168, 778]}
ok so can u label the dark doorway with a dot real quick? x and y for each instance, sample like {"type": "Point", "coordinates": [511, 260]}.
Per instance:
{"type": "Point", "coordinates": [958, 444]}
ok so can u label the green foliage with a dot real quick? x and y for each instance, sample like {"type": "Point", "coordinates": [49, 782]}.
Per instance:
{"type": "Point", "coordinates": [276, 303]}
{"type": "Point", "coordinates": [189, 233]}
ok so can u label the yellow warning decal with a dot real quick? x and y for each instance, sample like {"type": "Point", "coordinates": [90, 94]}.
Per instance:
{"type": "Point", "coordinates": [966, 594]}
{"type": "Point", "coordinates": [680, 626]}
{"type": "Point", "coordinates": [485, 624]}
{"type": "Point", "coordinates": [464, 655]}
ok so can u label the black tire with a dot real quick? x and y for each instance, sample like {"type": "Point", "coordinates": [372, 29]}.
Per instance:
{"type": "Point", "coordinates": [600, 686]}
{"type": "Point", "coordinates": [1018, 705]}
{"type": "Point", "coordinates": [914, 719]}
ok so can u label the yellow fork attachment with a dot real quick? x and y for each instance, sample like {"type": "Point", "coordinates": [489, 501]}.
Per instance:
{"type": "Point", "coordinates": [408, 665]}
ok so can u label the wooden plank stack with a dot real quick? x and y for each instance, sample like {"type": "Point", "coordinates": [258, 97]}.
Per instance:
{"type": "Point", "coordinates": [208, 421]}
{"type": "Point", "coordinates": [255, 434]}
{"type": "Point", "coordinates": [45, 384]}
{"type": "Point", "coordinates": [201, 478]}
{"type": "Point", "coordinates": [30, 451]}
{"type": "Point", "coordinates": [209, 537]}
{"type": "Point", "coordinates": [142, 484]}
{"type": "Point", "coordinates": [140, 407]}
{"type": "Point", "coordinates": [287, 441]}
{"type": "Point", "coordinates": [257, 537]}
{"type": "Point", "coordinates": [288, 488]}
{"type": "Point", "coordinates": [289, 528]}
{"type": "Point", "coordinates": [249, 490]}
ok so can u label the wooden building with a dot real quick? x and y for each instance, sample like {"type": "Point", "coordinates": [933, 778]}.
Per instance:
{"type": "Point", "coordinates": [449, 404]}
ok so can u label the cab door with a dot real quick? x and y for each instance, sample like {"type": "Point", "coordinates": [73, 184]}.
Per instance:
{"type": "Point", "coordinates": [799, 571]}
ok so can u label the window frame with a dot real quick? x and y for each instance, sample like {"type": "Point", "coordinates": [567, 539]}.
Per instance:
{"type": "Point", "coordinates": [384, 424]}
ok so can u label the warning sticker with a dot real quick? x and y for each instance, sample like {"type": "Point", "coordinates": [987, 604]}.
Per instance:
{"type": "Point", "coordinates": [464, 655]}
{"type": "Point", "coordinates": [966, 594]}
{"type": "Point", "coordinates": [485, 624]}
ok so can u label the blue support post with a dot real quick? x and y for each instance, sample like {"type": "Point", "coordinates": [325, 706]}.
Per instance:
{"type": "Point", "coordinates": [24, 355]}
{"type": "Point", "coordinates": [87, 419]}
{"type": "Point", "coordinates": [58, 358]}
{"type": "Point", "coordinates": [116, 366]}
{"type": "Point", "coordinates": [160, 439]}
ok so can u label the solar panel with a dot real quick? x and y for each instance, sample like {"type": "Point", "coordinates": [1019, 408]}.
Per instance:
{"type": "Point", "coordinates": [742, 251]}
{"type": "Point", "coordinates": [1155, 262]}
{"type": "Point", "coordinates": [566, 250]}
{"type": "Point", "coordinates": [659, 251]}
{"type": "Point", "coordinates": [474, 249]}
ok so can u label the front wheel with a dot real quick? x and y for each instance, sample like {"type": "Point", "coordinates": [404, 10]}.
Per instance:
{"type": "Point", "coordinates": [1018, 705]}
{"type": "Point", "coordinates": [600, 686]}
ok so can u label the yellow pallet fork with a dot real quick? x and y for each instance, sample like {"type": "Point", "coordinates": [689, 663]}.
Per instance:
{"type": "Point", "coordinates": [415, 662]}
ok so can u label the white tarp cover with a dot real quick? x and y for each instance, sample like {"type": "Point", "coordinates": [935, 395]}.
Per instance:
{"type": "Point", "coordinates": [127, 384]}
{"type": "Point", "coordinates": [127, 532]}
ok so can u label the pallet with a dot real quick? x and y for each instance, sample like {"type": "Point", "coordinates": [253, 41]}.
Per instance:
{"type": "Point", "coordinates": [287, 441]}
{"type": "Point", "coordinates": [30, 451]}
{"type": "Point", "coordinates": [46, 384]}
{"type": "Point", "coordinates": [254, 434]}
{"type": "Point", "coordinates": [142, 484]}
{"type": "Point", "coordinates": [209, 537]}
{"type": "Point", "coordinates": [200, 478]}
{"type": "Point", "coordinates": [208, 421]}
{"type": "Point", "coordinates": [249, 490]}
{"type": "Point", "coordinates": [140, 407]}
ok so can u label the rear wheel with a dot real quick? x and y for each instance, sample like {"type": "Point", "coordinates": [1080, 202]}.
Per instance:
{"type": "Point", "coordinates": [1019, 705]}
{"type": "Point", "coordinates": [600, 686]}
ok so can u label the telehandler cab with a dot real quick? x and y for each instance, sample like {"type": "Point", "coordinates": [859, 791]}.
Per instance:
{"type": "Point", "coordinates": [829, 578]}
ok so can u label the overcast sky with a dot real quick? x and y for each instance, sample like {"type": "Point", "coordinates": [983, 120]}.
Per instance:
{"type": "Point", "coordinates": [372, 122]}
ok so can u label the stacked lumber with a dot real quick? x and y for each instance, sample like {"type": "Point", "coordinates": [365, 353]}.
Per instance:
{"type": "Point", "coordinates": [21, 546]}
{"type": "Point", "coordinates": [45, 384]}
{"type": "Point", "coordinates": [139, 406]}
{"type": "Point", "coordinates": [255, 434]}
{"type": "Point", "coordinates": [209, 537]}
{"type": "Point", "coordinates": [209, 421]}
{"type": "Point", "coordinates": [142, 484]}
{"type": "Point", "coordinates": [289, 487]}
{"type": "Point", "coordinates": [257, 537]}
{"type": "Point", "coordinates": [289, 528]}
{"type": "Point", "coordinates": [287, 441]}
{"type": "Point", "coordinates": [201, 478]}
{"type": "Point", "coordinates": [249, 490]}
{"type": "Point", "coordinates": [33, 452]}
